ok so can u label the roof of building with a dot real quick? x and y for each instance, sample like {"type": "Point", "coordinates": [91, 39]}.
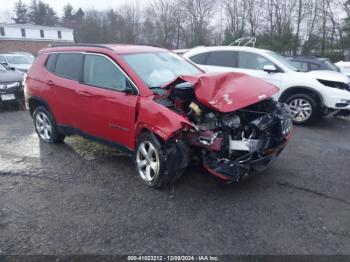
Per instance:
{"type": "Point", "coordinates": [34, 26]}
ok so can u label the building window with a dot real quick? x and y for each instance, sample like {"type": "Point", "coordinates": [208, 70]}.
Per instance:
{"type": "Point", "coordinates": [2, 31]}
{"type": "Point", "coordinates": [59, 34]}
{"type": "Point", "coordinates": [23, 31]}
{"type": "Point", "coordinates": [42, 33]}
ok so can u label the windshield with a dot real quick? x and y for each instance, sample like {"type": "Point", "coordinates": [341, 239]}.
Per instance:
{"type": "Point", "coordinates": [18, 59]}
{"type": "Point", "coordinates": [283, 61]}
{"type": "Point", "coordinates": [157, 69]}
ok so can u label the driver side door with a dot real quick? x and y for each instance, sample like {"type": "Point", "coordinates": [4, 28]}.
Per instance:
{"type": "Point", "coordinates": [108, 98]}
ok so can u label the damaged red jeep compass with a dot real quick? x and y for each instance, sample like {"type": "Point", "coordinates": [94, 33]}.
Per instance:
{"type": "Point", "coordinates": [159, 107]}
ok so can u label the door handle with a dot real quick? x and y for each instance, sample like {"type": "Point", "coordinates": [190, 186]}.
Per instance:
{"type": "Point", "coordinates": [50, 82]}
{"type": "Point", "coordinates": [84, 93]}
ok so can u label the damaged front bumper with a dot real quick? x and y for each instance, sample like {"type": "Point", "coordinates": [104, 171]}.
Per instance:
{"type": "Point", "coordinates": [250, 163]}
{"type": "Point", "coordinates": [246, 156]}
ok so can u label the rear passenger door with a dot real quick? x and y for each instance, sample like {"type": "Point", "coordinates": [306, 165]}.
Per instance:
{"type": "Point", "coordinates": [108, 101]}
{"type": "Point", "coordinates": [217, 61]}
{"type": "Point", "coordinates": [61, 84]}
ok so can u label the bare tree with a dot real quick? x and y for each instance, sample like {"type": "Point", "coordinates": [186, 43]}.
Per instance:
{"type": "Point", "coordinates": [198, 15]}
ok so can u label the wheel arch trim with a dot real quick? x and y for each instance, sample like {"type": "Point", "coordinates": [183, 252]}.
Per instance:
{"type": "Point", "coordinates": [308, 89]}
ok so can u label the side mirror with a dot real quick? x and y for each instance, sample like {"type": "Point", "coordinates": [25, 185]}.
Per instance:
{"type": "Point", "coordinates": [270, 69]}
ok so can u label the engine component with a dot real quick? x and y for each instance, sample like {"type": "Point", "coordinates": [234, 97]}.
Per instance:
{"type": "Point", "coordinates": [231, 121]}
{"type": "Point", "coordinates": [208, 141]}
{"type": "Point", "coordinates": [195, 108]}
{"type": "Point", "coordinates": [209, 122]}
{"type": "Point", "coordinates": [250, 145]}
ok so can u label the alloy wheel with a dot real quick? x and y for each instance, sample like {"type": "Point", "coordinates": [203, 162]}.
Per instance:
{"type": "Point", "coordinates": [301, 109]}
{"type": "Point", "coordinates": [43, 126]}
{"type": "Point", "coordinates": [147, 161]}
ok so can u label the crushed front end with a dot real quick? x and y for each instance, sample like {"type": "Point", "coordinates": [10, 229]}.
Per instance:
{"type": "Point", "coordinates": [237, 128]}
{"type": "Point", "coordinates": [234, 145]}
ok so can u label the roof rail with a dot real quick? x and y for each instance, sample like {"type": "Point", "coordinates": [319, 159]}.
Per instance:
{"type": "Point", "coordinates": [244, 41]}
{"type": "Point", "coordinates": [82, 45]}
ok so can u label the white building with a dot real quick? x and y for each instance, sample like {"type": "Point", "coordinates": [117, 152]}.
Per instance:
{"type": "Point", "coordinates": [31, 38]}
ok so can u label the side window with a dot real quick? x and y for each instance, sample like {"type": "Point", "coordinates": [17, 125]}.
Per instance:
{"type": "Point", "coordinates": [101, 72]}
{"type": "Point", "coordinates": [314, 66]}
{"type": "Point", "coordinates": [200, 58]}
{"type": "Point", "coordinates": [222, 58]}
{"type": "Point", "coordinates": [301, 66]}
{"type": "Point", "coordinates": [252, 61]}
{"type": "Point", "coordinates": [51, 62]}
{"type": "Point", "coordinates": [69, 65]}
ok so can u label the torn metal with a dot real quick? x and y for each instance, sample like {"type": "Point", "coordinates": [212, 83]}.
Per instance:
{"type": "Point", "coordinates": [233, 131]}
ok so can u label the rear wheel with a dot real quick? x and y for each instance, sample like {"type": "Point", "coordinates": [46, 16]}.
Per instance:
{"type": "Point", "coordinates": [304, 108]}
{"type": "Point", "coordinates": [45, 126]}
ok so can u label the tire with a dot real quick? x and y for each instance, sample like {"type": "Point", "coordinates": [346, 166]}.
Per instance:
{"type": "Point", "coordinates": [304, 108]}
{"type": "Point", "coordinates": [157, 164]}
{"type": "Point", "coordinates": [45, 126]}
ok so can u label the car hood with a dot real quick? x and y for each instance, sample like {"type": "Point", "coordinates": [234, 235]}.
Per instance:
{"type": "Point", "coordinates": [21, 66]}
{"type": "Point", "coordinates": [227, 92]}
{"type": "Point", "coordinates": [329, 76]}
{"type": "Point", "coordinates": [10, 76]}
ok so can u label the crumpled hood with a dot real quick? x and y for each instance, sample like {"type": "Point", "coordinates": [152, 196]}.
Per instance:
{"type": "Point", "coordinates": [329, 76]}
{"type": "Point", "coordinates": [228, 92]}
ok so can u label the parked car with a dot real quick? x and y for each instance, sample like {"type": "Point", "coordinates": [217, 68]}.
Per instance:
{"type": "Point", "coordinates": [11, 88]}
{"type": "Point", "coordinates": [312, 63]}
{"type": "Point", "coordinates": [162, 111]}
{"type": "Point", "coordinates": [18, 61]}
{"type": "Point", "coordinates": [344, 67]}
{"type": "Point", "coordinates": [309, 95]}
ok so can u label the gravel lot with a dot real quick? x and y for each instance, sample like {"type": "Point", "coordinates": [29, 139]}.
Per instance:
{"type": "Point", "coordinates": [84, 198]}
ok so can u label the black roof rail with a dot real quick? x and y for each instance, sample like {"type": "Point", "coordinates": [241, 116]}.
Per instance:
{"type": "Point", "coordinates": [82, 45]}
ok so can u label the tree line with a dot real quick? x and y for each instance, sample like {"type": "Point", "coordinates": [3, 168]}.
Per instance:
{"type": "Point", "coordinates": [320, 27]}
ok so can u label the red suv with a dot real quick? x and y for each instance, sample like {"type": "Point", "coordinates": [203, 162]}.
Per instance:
{"type": "Point", "coordinates": [158, 107]}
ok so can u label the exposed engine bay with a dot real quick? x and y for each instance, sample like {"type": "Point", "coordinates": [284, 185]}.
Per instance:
{"type": "Point", "coordinates": [233, 144]}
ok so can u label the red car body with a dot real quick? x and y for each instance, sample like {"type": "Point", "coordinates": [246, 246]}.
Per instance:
{"type": "Point", "coordinates": [120, 117]}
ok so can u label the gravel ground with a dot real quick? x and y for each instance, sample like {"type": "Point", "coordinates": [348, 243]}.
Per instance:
{"type": "Point", "coordinates": [84, 198]}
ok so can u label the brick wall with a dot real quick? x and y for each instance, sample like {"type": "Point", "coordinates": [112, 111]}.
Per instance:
{"type": "Point", "coordinates": [23, 46]}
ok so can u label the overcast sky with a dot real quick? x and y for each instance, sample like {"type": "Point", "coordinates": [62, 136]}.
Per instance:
{"type": "Point", "coordinates": [6, 6]}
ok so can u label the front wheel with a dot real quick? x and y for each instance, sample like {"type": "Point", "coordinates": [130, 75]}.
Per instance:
{"type": "Point", "coordinates": [45, 126]}
{"type": "Point", "coordinates": [304, 108]}
{"type": "Point", "coordinates": [157, 164]}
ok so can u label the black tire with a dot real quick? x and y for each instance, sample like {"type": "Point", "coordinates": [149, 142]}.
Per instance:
{"type": "Point", "coordinates": [170, 167]}
{"type": "Point", "coordinates": [54, 136]}
{"type": "Point", "coordinates": [315, 108]}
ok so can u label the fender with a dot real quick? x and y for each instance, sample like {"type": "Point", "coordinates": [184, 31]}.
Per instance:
{"type": "Point", "coordinates": [159, 119]}
{"type": "Point", "coordinates": [289, 89]}
{"type": "Point", "coordinates": [33, 100]}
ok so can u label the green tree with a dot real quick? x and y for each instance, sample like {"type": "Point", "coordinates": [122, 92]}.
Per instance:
{"type": "Point", "coordinates": [68, 15]}
{"type": "Point", "coordinates": [20, 12]}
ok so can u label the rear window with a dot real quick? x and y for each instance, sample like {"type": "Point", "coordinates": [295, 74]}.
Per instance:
{"type": "Point", "coordinates": [69, 66]}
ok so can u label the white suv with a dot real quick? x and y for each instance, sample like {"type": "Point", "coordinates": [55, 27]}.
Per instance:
{"type": "Point", "coordinates": [309, 95]}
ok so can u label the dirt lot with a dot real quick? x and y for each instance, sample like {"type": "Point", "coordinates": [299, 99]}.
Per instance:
{"type": "Point", "coordinates": [83, 198]}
